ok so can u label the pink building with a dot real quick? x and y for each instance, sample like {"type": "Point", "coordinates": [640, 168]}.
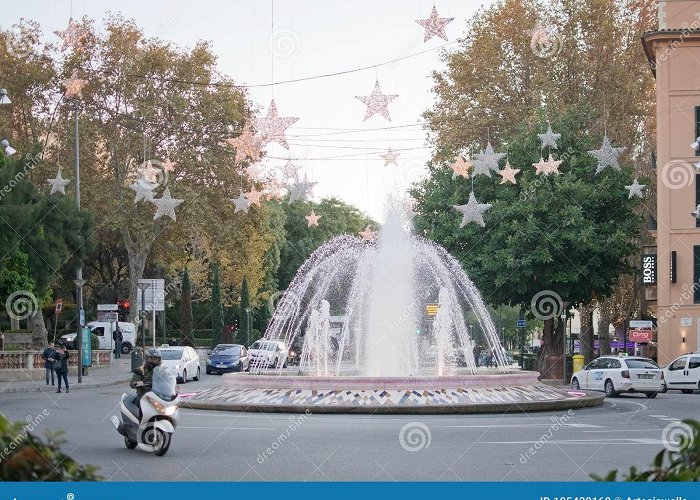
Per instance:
{"type": "Point", "coordinates": [674, 54]}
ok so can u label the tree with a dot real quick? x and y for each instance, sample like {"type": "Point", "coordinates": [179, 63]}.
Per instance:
{"type": "Point", "coordinates": [564, 237]}
{"type": "Point", "coordinates": [244, 310]}
{"type": "Point", "coordinates": [217, 308]}
{"type": "Point", "coordinates": [186, 334]}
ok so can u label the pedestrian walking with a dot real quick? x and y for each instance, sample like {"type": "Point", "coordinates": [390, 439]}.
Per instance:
{"type": "Point", "coordinates": [118, 338]}
{"type": "Point", "coordinates": [49, 356]}
{"type": "Point", "coordinates": [61, 367]}
{"type": "Point", "coordinates": [477, 354]}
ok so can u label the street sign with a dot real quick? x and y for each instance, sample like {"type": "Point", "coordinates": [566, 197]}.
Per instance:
{"type": "Point", "coordinates": [521, 323]}
{"type": "Point", "coordinates": [59, 305]}
{"type": "Point", "coordinates": [107, 307]}
{"type": "Point", "coordinates": [82, 317]}
{"type": "Point", "coordinates": [686, 321]}
{"type": "Point", "coordinates": [637, 323]}
{"type": "Point", "coordinates": [154, 295]}
{"type": "Point", "coordinates": [640, 336]}
{"type": "Point", "coordinates": [108, 316]}
{"type": "Point", "coordinates": [87, 347]}
{"type": "Point", "coordinates": [432, 309]}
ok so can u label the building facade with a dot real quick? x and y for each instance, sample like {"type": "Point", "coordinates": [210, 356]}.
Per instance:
{"type": "Point", "coordinates": [674, 56]}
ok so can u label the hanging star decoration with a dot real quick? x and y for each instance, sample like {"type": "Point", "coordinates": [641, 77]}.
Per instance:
{"type": "Point", "coordinates": [367, 234]}
{"type": "Point", "coordinates": [473, 211]}
{"type": "Point", "coordinates": [696, 212]}
{"type": "Point", "coordinates": [301, 189]}
{"type": "Point", "coordinates": [460, 167]}
{"type": "Point", "coordinates": [377, 102]}
{"type": "Point", "coordinates": [247, 144]}
{"type": "Point", "coordinates": [143, 189]}
{"type": "Point", "coordinates": [290, 171]}
{"type": "Point", "coordinates": [508, 173]}
{"type": "Point", "coordinates": [253, 196]}
{"type": "Point", "coordinates": [72, 36]}
{"type": "Point", "coordinates": [168, 166]}
{"type": "Point", "coordinates": [58, 184]}
{"type": "Point", "coordinates": [635, 189]}
{"type": "Point", "coordinates": [272, 127]}
{"type": "Point", "coordinates": [549, 138]}
{"type": "Point", "coordinates": [74, 85]}
{"type": "Point", "coordinates": [489, 161]}
{"type": "Point", "coordinates": [606, 155]}
{"type": "Point", "coordinates": [241, 203]}
{"type": "Point", "coordinates": [149, 173]}
{"type": "Point", "coordinates": [435, 25]}
{"type": "Point", "coordinates": [550, 166]}
{"type": "Point", "coordinates": [390, 157]}
{"type": "Point", "coordinates": [696, 144]}
{"type": "Point", "coordinates": [165, 205]}
{"type": "Point", "coordinates": [312, 219]}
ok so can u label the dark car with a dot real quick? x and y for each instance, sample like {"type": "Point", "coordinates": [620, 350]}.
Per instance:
{"type": "Point", "coordinates": [228, 358]}
{"type": "Point", "coordinates": [69, 341]}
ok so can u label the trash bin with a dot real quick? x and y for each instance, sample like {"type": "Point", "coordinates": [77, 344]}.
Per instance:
{"type": "Point", "coordinates": [136, 358]}
{"type": "Point", "coordinates": [578, 362]}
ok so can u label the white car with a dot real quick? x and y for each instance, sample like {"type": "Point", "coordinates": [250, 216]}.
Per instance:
{"type": "Point", "coordinates": [184, 359]}
{"type": "Point", "coordinates": [684, 373]}
{"type": "Point", "coordinates": [268, 353]}
{"type": "Point", "coordinates": [615, 375]}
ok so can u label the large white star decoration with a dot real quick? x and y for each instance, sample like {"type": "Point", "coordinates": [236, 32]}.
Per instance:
{"type": "Point", "coordinates": [377, 102]}
{"type": "Point", "coordinates": [150, 173]}
{"type": "Point", "coordinates": [473, 211]}
{"type": "Point", "coordinates": [390, 157]}
{"type": "Point", "coordinates": [247, 144]}
{"type": "Point", "coordinates": [508, 173]}
{"type": "Point", "coordinates": [550, 166]}
{"type": "Point", "coordinates": [165, 205]}
{"type": "Point", "coordinates": [435, 25]}
{"type": "Point", "coordinates": [460, 167]}
{"type": "Point", "coordinates": [696, 212]}
{"type": "Point", "coordinates": [241, 203]}
{"type": "Point", "coordinates": [312, 219]}
{"type": "Point", "coordinates": [480, 168]}
{"type": "Point", "coordinates": [143, 189]}
{"type": "Point", "coordinates": [290, 171]}
{"type": "Point", "coordinates": [253, 196]}
{"type": "Point", "coordinates": [74, 85]}
{"type": "Point", "coordinates": [490, 159]}
{"type": "Point", "coordinates": [72, 36]}
{"type": "Point", "coordinates": [549, 138]}
{"type": "Point", "coordinates": [696, 144]}
{"type": "Point", "coordinates": [58, 184]}
{"type": "Point", "coordinates": [635, 189]}
{"type": "Point", "coordinates": [301, 190]}
{"type": "Point", "coordinates": [367, 234]}
{"type": "Point", "coordinates": [606, 155]}
{"type": "Point", "coordinates": [272, 127]}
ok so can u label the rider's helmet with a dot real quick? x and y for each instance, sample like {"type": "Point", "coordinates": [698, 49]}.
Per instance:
{"type": "Point", "coordinates": [152, 357]}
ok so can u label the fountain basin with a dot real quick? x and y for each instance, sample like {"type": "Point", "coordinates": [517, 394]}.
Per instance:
{"type": "Point", "coordinates": [498, 393]}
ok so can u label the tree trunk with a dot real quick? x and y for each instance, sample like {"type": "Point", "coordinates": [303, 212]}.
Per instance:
{"type": "Point", "coordinates": [39, 332]}
{"type": "Point", "coordinates": [603, 332]}
{"type": "Point", "coordinates": [553, 345]}
{"type": "Point", "coordinates": [587, 334]}
{"type": "Point", "coordinates": [138, 254]}
{"type": "Point", "coordinates": [14, 323]}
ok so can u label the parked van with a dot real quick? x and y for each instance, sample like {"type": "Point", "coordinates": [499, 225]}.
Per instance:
{"type": "Point", "coordinates": [104, 331]}
{"type": "Point", "coordinates": [684, 373]}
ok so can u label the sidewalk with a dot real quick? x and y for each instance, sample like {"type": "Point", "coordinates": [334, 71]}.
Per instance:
{"type": "Point", "coordinates": [119, 372]}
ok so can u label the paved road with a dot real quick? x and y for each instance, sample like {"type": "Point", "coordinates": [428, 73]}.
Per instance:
{"type": "Point", "coordinates": [234, 446]}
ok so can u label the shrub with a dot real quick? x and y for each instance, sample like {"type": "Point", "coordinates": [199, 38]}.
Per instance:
{"type": "Point", "coordinates": [94, 341]}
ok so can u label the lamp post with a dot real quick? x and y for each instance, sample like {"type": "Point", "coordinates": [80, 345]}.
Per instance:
{"type": "Point", "coordinates": [79, 282]}
{"type": "Point", "coordinates": [563, 353]}
{"type": "Point", "coordinates": [247, 327]}
{"type": "Point", "coordinates": [142, 316]}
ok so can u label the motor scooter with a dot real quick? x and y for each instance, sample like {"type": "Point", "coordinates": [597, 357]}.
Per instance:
{"type": "Point", "coordinates": [152, 427]}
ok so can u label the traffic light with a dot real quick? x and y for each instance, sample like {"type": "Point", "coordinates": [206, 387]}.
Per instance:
{"type": "Point", "coordinates": [123, 308]}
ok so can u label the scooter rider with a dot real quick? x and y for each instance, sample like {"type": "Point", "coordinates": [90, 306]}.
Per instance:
{"type": "Point", "coordinates": [143, 376]}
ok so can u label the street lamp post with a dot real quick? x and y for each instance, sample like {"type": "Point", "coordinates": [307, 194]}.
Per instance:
{"type": "Point", "coordinates": [79, 281]}
{"type": "Point", "coordinates": [247, 327]}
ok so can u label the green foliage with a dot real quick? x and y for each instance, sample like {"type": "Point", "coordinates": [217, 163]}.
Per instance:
{"type": "Point", "coordinates": [25, 457]}
{"type": "Point", "coordinates": [217, 308]}
{"type": "Point", "coordinates": [680, 463]}
{"type": "Point", "coordinates": [244, 323]}
{"type": "Point", "coordinates": [94, 342]}
{"type": "Point", "coordinates": [186, 309]}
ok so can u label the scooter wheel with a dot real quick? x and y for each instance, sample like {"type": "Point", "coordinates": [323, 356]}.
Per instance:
{"type": "Point", "coordinates": [163, 441]}
{"type": "Point", "coordinates": [129, 443]}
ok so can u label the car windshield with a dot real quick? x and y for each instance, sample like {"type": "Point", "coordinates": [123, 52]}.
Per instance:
{"type": "Point", "coordinates": [263, 346]}
{"type": "Point", "coordinates": [170, 354]}
{"type": "Point", "coordinates": [641, 363]}
{"type": "Point", "coordinates": [227, 350]}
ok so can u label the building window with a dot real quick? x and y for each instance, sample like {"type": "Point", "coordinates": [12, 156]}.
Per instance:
{"type": "Point", "coordinates": [696, 274]}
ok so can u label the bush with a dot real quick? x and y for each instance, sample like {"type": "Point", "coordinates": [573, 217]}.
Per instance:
{"type": "Point", "coordinates": [679, 463]}
{"type": "Point", "coordinates": [94, 341]}
{"type": "Point", "coordinates": [530, 361]}
{"type": "Point", "coordinates": [25, 457]}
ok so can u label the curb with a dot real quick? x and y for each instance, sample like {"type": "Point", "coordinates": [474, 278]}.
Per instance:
{"type": "Point", "coordinates": [42, 388]}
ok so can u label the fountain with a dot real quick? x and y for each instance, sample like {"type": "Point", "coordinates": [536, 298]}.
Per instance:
{"type": "Point", "coordinates": [387, 354]}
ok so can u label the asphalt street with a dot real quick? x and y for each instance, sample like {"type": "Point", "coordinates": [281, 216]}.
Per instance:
{"type": "Point", "coordinates": [229, 446]}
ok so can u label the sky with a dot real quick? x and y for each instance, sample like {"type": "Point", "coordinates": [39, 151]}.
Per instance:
{"type": "Point", "coordinates": [265, 41]}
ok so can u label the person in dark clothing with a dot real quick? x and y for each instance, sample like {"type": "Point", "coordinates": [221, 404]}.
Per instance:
{"type": "Point", "coordinates": [61, 367]}
{"type": "Point", "coordinates": [118, 338]}
{"type": "Point", "coordinates": [49, 357]}
{"type": "Point", "coordinates": [477, 354]}
{"type": "Point", "coordinates": [143, 376]}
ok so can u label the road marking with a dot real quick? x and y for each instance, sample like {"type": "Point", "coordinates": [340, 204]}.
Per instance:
{"type": "Point", "coordinates": [499, 426]}
{"type": "Point", "coordinates": [229, 428]}
{"type": "Point", "coordinates": [616, 441]}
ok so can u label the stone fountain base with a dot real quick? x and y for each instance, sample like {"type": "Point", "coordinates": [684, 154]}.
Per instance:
{"type": "Point", "coordinates": [498, 393]}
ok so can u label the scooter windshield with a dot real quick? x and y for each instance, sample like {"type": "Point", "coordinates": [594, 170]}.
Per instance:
{"type": "Point", "coordinates": [164, 380]}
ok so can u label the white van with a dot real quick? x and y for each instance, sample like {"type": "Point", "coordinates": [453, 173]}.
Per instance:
{"type": "Point", "coordinates": [684, 373]}
{"type": "Point", "coordinates": [104, 331]}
